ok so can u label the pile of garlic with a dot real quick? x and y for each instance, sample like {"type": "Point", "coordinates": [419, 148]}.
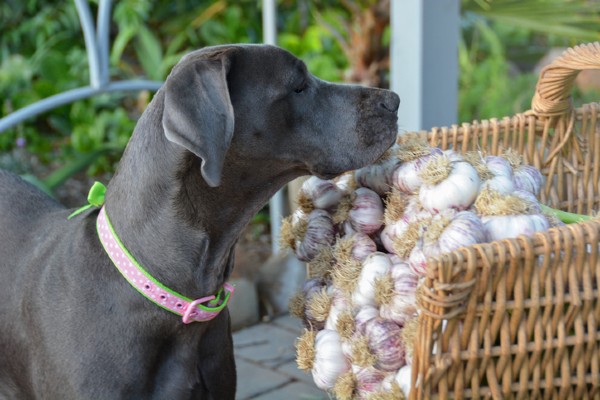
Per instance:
{"type": "Point", "coordinates": [366, 236]}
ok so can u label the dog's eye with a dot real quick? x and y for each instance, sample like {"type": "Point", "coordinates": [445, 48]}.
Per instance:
{"type": "Point", "coordinates": [301, 88]}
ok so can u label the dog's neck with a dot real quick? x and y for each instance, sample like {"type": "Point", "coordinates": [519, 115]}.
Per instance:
{"type": "Point", "coordinates": [177, 227]}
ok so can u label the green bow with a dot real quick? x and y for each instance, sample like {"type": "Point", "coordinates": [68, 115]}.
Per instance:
{"type": "Point", "coordinates": [95, 199]}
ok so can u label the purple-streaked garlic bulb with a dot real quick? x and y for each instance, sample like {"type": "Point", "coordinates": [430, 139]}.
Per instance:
{"type": "Point", "coordinates": [366, 215]}
{"type": "Point", "coordinates": [501, 179]}
{"type": "Point", "coordinates": [391, 232]}
{"type": "Point", "coordinates": [385, 342]}
{"type": "Point", "coordinates": [377, 177]}
{"type": "Point", "coordinates": [319, 233]}
{"type": "Point", "coordinates": [406, 176]}
{"type": "Point", "coordinates": [313, 291]}
{"type": "Point", "coordinates": [360, 245]}
{"type": "Point", "coordinates": [368, 381]}
{"type": "Point", "coordinates": [528, 178]}
{"type": "Point", "coordinates": [417, 260]}
{"type": "Point", "coordinates": [320, 193]}
{"type": "Point", "coordinates": [451, 230]}
{"type": "Point", "coordinates": [363, 316]}
{"type": "Point", "coordinates": [399, 303]}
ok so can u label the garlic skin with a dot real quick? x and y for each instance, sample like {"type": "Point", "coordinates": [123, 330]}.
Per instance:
{"type": "Point", "coordinates": [368, 381]}
{"type": "Point", "coordinates": [323, 193]}
{"type": "Point", "coordinates": [363, 316]}
{"type": "Point", "coordinates": [375, 266]}
{"type": "Point", "coordinates": [339, 304]}
{"type": "Point", "coordinates": [405, 176]}
{"type": "Point", "coordinates": [362, 246]}
{"type": "Point", "coordinates": [417, 260]}
{"type": "Point", "coordinates": [532, 202]}
{"type": "Point", "coordinates": [510, 226]}
{"type": "Point", "coordinates": [366, 215]}
{"type": "Point", "coordinates": [377, 177]}
{"type": "Point", "coordinates": [345, 182]}
{"type": "Point", "coordinates": [385, 341]}
{"type": "Point", "coordinates": [403, 305]}
{"type": "Point", "coordinates": [528, 178]}
{"type": "Point", "coordinates": [319, 233]}
{"type": "Point", "coordinates": [458, 191]}
{"type": "Point", "coordinates": [311, 288]}
{"type": "Point", "coordinates": [403, 379]}
{"type": "Point", "coordinates": [391, 232]}
{"type": "Point", "coordinates": [329, 362]}
{"type": "Point", "coordinates": [465, 228]}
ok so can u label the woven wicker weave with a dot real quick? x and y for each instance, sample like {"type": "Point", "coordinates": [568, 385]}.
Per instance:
{"type": "Point", "coordinates": [520, 318]}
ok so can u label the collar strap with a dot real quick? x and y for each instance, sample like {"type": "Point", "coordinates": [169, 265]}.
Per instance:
{"type": "Point", "coordinates": [143, 282]}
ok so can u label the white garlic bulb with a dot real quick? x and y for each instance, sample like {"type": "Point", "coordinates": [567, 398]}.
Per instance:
{"type": "Point", "coordinates": [375, 266]}
{"type": "Point", "coordinates": [329, 362]}
{"type": "Point", "coordinates": [510, 226]}
{"type": "Point", "coordinates": [319, 233]}
{"type": "Point", "coordinates": [448, 185]}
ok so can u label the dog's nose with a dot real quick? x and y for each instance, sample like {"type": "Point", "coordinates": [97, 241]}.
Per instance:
{"type": "Point", "coordinates": [390, 102]}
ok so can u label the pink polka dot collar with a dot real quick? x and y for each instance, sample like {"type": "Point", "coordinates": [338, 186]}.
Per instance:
{"type": "Point", "coordinates": [143, 282]}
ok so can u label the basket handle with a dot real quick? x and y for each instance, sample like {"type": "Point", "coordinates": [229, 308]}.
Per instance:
{"type": "Point", "coordinates": [553, 91]}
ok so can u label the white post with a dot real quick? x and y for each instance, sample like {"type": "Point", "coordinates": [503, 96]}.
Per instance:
{"type": "Point", "coordinates": [276, 204]}
{"type": "Point", "coordinates": [424, 61]}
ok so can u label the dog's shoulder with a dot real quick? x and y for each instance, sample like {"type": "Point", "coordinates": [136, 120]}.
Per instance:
{"type": "Point", "coordinates": [20, 198]}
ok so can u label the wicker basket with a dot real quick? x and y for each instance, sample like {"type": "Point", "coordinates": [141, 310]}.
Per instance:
{"type": "Point", "coordinates": [520, 318]}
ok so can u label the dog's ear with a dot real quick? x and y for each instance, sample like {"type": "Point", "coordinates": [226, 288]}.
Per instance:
{"type": "Point", "coordinates": [198, 114]}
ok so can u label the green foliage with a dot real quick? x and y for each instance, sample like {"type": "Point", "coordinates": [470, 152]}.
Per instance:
{"type": "Point", "coordinates": [501, 42]}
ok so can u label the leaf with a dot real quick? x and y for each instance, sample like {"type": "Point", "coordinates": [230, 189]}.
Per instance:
{"type": "Point", "coordinates": [149, 53]}
{"type": "Point", "coordinates": [123, 38]}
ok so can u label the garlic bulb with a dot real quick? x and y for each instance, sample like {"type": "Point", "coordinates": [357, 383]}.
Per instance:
{"type": "Point", "coordinates": [366, 215]}
{"type": "Point", "coordinates": [403, 379]}
{"type": "Point", "coordinates": [329, 360]}
{"type": "Point", "coordinates": [448, 184]}
{"type": "Point", "coordinates": [312, 289]}
{"type": "Point", "coordinates": [405, 176]}
{"type": "Point", "coordinates": [510, 226]}
{"type": "Point", "coordinates": [320, 193]}
{"type": "Point", "coordinates": [528, 178]}
{"type": "Point", "coordinates": [356, 245]}
{"type": "Point", "coordinates": [417, 260]}
{"type": "Point", "coordinates": [533, 204]}
{"type": "Point", "coordinates": [375, 266]}
{"type": "Point", "coordinates": [502, 179]}
{"type": "Point", "coordinates": [450, 230]}
{"type": "Point", "coordinates": [363, 316]}
{"type": "Point", "coordinates": [319, 233]}
{"type": "Point", "coordinates": [340, 303]}
{"type": "Point", "coordinates": [391, 232]}
{"type": "Point", "coordinates": [368, 381]}
{"type": "Point", "coordinates": [384, 339]}
{"type": "Point", "coordinates": [377, 177]}
{"type": "Point", "coordinates": [400, 305]}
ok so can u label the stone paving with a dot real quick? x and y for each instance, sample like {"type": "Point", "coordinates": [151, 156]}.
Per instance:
{"type": "Point", "coordinates": [266, 363]}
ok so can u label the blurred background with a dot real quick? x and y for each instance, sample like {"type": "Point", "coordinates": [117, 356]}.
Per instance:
{"type": "Point", "coordinates": [503, 44]}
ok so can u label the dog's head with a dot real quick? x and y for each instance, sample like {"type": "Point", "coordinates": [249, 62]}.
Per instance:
{"type": "Point", "coordinates": [261, 103]}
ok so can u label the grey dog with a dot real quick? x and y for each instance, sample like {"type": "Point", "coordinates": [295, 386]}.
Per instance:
{"type": "Point", "coordinates": [231, 125]}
